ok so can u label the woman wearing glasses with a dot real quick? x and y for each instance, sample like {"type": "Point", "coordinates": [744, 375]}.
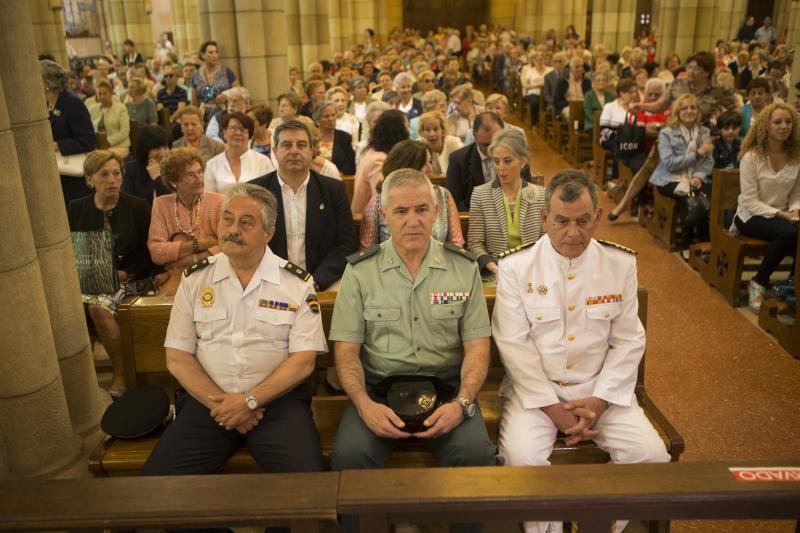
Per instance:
{"type": "Point", "coordinates": [238, 162]}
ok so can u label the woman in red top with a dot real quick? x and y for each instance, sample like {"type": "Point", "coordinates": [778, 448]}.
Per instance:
{"type": "Point", "coordinates": [652, 122]}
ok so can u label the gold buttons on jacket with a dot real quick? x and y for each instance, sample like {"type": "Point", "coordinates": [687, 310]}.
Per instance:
{"type": "Point", "coordinates": [570, 275]}
{"type": "Point", "coordinates": [570, 338]}
{"type": "Point", "coordinates": [569, 365]}
{"type": "Point", "coordinates": [538, 317]}
{"type": "Point", "coordinates": [571, 307]}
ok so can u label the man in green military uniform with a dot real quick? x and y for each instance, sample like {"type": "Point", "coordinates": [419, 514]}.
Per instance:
{"type": "Point", "coordinates": [411, 306]}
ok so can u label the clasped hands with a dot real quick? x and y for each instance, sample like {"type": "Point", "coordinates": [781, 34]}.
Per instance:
{"type": "Point", "coordinates": [231, 412]}
{"type": "Point", "coordinates": [386, 424]}
{"type": "Point", "coordinates": [577, 418]}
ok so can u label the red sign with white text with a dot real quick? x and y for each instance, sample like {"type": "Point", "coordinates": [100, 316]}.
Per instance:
{"type": "Point", "coordinates": [767, 473]}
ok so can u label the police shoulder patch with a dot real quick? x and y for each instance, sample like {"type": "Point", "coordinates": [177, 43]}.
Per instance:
{"type": "Point", "coordinates": [617, 246]}
{"type": "Point", "coordinates": [363, 254]}
{"type": "Point", "coordinates": [461, 252]}
{"type": "Point", "coordinates": [297, 271]}
{"type": "Point", "coordinates": [200, 265]}
{"type": "Point", "coordinates": [515, 250]}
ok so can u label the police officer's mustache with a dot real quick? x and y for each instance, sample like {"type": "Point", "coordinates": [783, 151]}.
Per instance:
{"type": "Point", "coordinates": [232, 237]}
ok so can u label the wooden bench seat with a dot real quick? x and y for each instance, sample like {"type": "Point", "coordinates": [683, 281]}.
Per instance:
{"type": "Point", "coordinates": [788, 334]}
{"type": "Point", "coordinates": [725, 265]}
{"type": "Point", "coordinates": [143, 323]}
{"type": "Point", "coordinates": [115, 457]}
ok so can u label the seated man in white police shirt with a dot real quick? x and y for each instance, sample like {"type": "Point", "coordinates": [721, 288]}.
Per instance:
{"type": "Point", "coordinates": [572, 354]}
{"type": "Point", "coordinates": [243, 336]}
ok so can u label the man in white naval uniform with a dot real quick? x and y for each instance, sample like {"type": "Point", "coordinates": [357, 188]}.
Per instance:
{"type": "Point", "coordinates": [566, 324]}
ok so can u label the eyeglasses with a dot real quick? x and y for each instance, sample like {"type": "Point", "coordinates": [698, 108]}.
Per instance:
{"type": "Point", "coordinates": [236, 129]}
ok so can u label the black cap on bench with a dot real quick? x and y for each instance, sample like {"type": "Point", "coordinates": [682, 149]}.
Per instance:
{"type": "Point", "coordinates": [137, 413]}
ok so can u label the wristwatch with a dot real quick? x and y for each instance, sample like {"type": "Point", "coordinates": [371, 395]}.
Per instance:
{"type": "Point", "coordinates": [467, 405]}
{"type": "Point", "coordinates": [251, 401]}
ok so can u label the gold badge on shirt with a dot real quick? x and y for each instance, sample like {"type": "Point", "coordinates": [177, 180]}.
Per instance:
{"type": "Point", "coordinates": [207, 297]}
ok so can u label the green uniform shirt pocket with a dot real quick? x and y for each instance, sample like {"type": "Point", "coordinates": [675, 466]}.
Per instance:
{"type": "Point", "coordinates": [445, 325]}
{"type": "Point", "coordinates": [379, 322]}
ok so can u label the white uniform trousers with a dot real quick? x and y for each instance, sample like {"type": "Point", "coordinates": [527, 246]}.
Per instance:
{"type": "Point", "coordinates": [527, 437]}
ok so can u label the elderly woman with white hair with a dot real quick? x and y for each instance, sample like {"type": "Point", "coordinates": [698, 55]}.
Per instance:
{"type": "Point", "coordinates": [238, 99]}
{"type": "Point", "coordinates": [374, 110]}
{"type": "Point", "coordinates": [71, 125]}
{"type": "Point", "coordinates": [432, 101]}
{"type": "Point", "coordinates": [505, 212]}
{"type": "Point", "coordinates": [335, 145]}
{"type": "Point", "coordinates": [404, 85]}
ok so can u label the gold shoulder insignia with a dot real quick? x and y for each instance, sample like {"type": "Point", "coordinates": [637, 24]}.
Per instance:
{"type": "Point", "coordinates": [617, 246]}
{"type": "Point", "coordinates": [200, 265]}
{"type": "Point", "coordinates": [515, 250]}
{"type": "Point", "coordinates": [461, 252]}
{"type": "Point", "coordinates": [297, 271]}
{"type": "Point", "coordinates": [363, 254]}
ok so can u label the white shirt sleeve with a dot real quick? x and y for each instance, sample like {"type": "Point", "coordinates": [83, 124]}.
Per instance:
{"type": "Point", "coordinates": [306, 334]}
{"type": "Point", "coordinates": [181, 333]}
{"type": "Point", "coordinates": [748, 182]}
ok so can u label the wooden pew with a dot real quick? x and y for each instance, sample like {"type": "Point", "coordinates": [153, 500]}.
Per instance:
{"type": "Point", "coordinates": [788, 334]}
{"type": "Point", "coordinates": [592, 495]}
{"type": "Point", "coordinates": [578, 141]}
{"type": "Point", "coordinates": [143, 325]}
{"type": "Point", "coordinates": [301, 501]}
{"type": "Point", "coordinates": [600, 156]}
{"type": "Point", "coordinates": [725, 264]}
{"type": "Point", "coordinates": [663, 221]}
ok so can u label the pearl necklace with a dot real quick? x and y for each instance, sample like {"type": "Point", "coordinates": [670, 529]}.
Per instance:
{"type": "Point", "coordinates": [194, 223]}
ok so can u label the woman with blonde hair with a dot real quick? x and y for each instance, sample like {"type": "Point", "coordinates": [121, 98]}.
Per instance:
{"type": "Point", "coordinates": [769, 202]}
{"type": "Point", "coordinates": [685, 148]}
{"type": "Point", "coordinates": [110, 118]}
{"type": "Point", "coordinates": [433, 132]}
{"type": "Point", "coordinates": [141, 108]}
{"type": "Point", "coordinates": [126, 221]}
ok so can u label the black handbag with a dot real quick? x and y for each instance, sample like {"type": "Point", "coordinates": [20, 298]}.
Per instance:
{"type": "Point", "coordinates": [630, 138]}
{"type": "Point", "coordinates": [697, 206]}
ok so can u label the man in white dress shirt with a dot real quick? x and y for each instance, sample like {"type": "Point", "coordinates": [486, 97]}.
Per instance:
{"type": "Point", "coordinates": [572, 355]}
{"type": "Point", "coordinates": [243, 336]}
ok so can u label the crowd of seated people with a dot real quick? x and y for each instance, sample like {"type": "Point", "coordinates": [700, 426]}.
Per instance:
{"type": "Point", "coordinates": [354, 119]}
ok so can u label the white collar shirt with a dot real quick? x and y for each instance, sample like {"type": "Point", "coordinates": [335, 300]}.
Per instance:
{"type": "Point", "coordinates": [219, 176]}
{"type": "Point", "coordinates": [294, 217]}
{"type": "Point", "coordinates": [240, 336]}
{"type": "Point", "coordinates": [579, 333]}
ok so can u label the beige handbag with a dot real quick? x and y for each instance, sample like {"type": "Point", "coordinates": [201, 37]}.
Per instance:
{"type": "Point", "coordinates": [70, 165]}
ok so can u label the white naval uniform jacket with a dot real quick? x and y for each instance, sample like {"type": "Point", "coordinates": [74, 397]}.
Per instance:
{"type": "Point", "coordinates": [240, 336]}
{"type": "Point", "coordinates": [568, 328]}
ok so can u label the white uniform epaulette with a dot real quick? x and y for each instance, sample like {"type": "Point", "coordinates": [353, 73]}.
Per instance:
{"type": "Point", "coordinates": [617, 246]}
{"type": "Point", "coordinates": [515, 250]}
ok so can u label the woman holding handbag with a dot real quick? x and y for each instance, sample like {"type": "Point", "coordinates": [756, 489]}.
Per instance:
{"type": "Point", "coordinates": [769, 202]}
{"type": "Point", "coordinates": [685, 148]}
{"type": "Point", "coordinates": [616, 114]}
{"type": "Point", "coordinates": [109, 234]}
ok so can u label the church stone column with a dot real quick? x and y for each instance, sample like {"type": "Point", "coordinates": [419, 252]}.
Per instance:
{"type": "Point", "coordinates": [614, 23]}
{"type": "Point", "coordinates": [262, 61]}
{"type": "Point", "coordinates": [137, 26]}
{"type": "Point", "coordinates": [218, 23]}
{"type": "Point", "coordinates": [794, 39]}
{"type": "Point", "coordinates": [48, 30]}
{"type": "Point", "coordinates": [115, 24]}
{"type": "Point", "coordinates": [38, 402]}
{"type": "Point", "coordinates": [676, 27]}
{"type": "Point", "coordinates": [730, 15]}
{"type": "Point", "coordinates": [186, 26]}
{"type": "Point", "coordinates": [31, 128]}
